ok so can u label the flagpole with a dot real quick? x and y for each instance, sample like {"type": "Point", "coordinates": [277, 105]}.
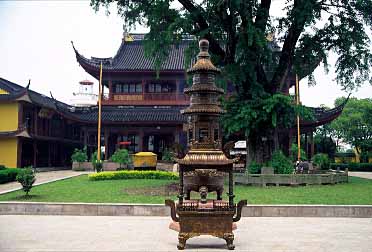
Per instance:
{"type": "Point", "coordinates": [99, 115]}
{"type": "Point", "coordinates": [298, 121]}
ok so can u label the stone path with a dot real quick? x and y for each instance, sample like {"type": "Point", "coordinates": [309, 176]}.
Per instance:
{"type": "Point", "coordinates": [41, 178]}
{"type": "Point", "coordinates": [367, 175]}
{"type": "Point", "coordinates": [83, 234]}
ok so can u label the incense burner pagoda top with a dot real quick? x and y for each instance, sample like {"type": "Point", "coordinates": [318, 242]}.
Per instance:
{"type": "Point", "coordinates": [204, 166]}
{"type": "Point", "coordinates": [204, 133]}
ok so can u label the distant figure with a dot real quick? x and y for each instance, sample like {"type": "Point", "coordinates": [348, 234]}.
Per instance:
{"type": "Point", "coordinates": [303, 166]}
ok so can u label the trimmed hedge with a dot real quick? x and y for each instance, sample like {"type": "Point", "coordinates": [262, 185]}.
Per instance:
{"type": "Point", "coordinates": [353, 166]}
{"type": "Point", "coordinates": [133, 175]}
{"type": "Point", "coordinates": [8, 175]}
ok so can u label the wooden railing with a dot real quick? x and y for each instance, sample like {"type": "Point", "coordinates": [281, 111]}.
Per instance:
{"type": "Point", "coordinates": [147, 97]}
{"type": "Point", "coordinates": [164, 96]}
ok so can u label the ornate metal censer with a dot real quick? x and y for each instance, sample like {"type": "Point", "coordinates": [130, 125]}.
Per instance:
{"type": "Point", "coordinates": [205, 165]}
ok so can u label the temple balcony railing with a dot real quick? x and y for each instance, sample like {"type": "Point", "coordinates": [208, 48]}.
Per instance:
{"type": "Point", "coordinates": [146, 99]}
{"type": "Point", "coordinates": [165, 96]}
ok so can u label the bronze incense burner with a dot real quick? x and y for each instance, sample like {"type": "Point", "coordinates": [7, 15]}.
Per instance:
{"type": "Point", "coordinates": [205, 166]}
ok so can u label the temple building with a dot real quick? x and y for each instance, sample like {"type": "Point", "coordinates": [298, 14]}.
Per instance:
{"type": "Point", "coordinates": [141, 108]}
{"type": "Point", "coordinates": [141, 111]}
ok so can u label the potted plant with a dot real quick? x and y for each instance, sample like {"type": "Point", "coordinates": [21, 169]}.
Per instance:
{"type": "Point", "coordinates": [78, 158]}
{"type": "Point", "coordinates": [121, 156]}
{"type": "Point", "coordinates": [97, 164]}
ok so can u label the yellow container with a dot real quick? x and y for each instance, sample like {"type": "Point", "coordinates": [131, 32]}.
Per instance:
{"type": "Point", "coordinates": [144, 160]}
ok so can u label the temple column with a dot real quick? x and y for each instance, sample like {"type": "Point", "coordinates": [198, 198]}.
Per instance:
{"type": "Point", "coordinates": [110, 90]}
{"type": "Point", "coordinates": [20, 115]}
{"type": "Point", "coordinates": [34, 163]}
{"type": "Point", "coordinates": [35, 121]}
{"type": "Point", "coordinates": [140, 137]}
{"type": "Point", "coordinates": [106, 136]}
{"type": "Point", "coordinates": [49, 154]}
{"type": "Point", "coordinates": [19, 152]}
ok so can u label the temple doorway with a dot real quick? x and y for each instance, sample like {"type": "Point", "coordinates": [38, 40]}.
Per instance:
{"type": "Point", "coordinates": [157, 143]}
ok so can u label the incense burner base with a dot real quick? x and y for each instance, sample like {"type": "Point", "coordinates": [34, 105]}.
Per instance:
{"type": "Point", "coordinates": [218, 224]}
{"type": "Point", "coordinates": [193, 219]}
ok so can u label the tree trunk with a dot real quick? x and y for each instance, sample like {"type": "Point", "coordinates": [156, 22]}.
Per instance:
{"type": "Point", "coordinates": [255, 150]}
{"type": "Point", "coordinates": [276, 139]}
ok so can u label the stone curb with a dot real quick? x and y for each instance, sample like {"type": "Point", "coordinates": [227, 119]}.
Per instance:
{"type": "Point", "coordinates": [93, 209]}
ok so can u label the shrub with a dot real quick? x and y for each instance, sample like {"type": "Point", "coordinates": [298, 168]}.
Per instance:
{"type": "Point", "coordinates": [121, 156]}
{"type": "Point", "coordinates": [294, 153]}
{"type": "Point", "coordinates": [352, 166]}
{"type": "Point", "coordinates": [321, 160]}
{"type": "Point", "coordinates": [27, 178]}
{"type": "Point", "coordinates": [254, 168]}
{"type": "Point", "coordinates": [8, 175]}
{"type": "Point", "coordinates": [79, 155]}
{"type": "Point", "coordinates": [133, 175]}
{"type": "Point", "coordinates": [167, 156]}
{"type": "Point", "coordinates": [281, 164]}
{"type": "Point", "coordinates": [2, 167]}
{"type": "Point", "coordinates": [97, 165]}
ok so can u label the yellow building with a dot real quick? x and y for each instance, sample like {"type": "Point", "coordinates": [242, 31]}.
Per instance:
{"type": "Point", "coordinates": [350, 157]}
{"type": "Point", "coordinates": [32, 131]}
{"type": "Point", "coordinates": [8, 130]}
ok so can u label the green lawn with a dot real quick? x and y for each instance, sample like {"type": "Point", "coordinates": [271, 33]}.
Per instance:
{"type": "Point", "coordinates": [79, 189]}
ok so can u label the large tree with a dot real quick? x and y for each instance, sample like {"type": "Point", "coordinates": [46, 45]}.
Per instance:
{"type": "Point", "coordinates": [239, 34]}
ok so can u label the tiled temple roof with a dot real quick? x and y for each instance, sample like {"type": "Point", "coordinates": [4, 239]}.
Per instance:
{"type": "Point", "coordinates": [129, 114]}
{"type": "Point", "coordinates": [110, 114]}
{"type": "Point", "coordinates": [131, 57]}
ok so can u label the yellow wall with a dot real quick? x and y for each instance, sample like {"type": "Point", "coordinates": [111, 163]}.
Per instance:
{"type": "Point", "coordinates": [3, 92]}
{"type": "Point", "coordinates": [8, 116]}
{"type": "Point", "coordinates": [346, 160]}
{"type": "Point", "coordinates": [8, 152]}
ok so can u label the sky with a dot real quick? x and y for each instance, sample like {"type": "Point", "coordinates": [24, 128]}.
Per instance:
{"type": "Point", "coordinates": [35, 44]}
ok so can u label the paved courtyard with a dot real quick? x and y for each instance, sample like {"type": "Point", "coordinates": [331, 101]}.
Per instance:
{"type": "Point", "coordinates": [367, 175]}
{"type": "Point", "coordinates": [41, 178]}
{"type": "Point", "coordinates": [80, 234]}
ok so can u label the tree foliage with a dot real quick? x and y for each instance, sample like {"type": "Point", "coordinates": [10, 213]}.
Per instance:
{"type": "Point", "coordinates": [239, 33]}
{"type": "Point", "coordinates": [121, 156]}
{"type": "Point", "coordinates": [326, 140]}
{"type": "Point", "coordinates": [354, 125]}
{"type": "Point", "coordinates": [79, 155]}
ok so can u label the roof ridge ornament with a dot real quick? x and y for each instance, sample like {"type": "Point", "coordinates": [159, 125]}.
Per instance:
{"type": "Point", "coordinates": [29, 83]}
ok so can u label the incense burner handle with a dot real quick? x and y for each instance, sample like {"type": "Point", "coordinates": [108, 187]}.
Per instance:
{"type": "Point", "coordinates": [239, 209]}
{"type": "Point", "coordinates": [172, 206]}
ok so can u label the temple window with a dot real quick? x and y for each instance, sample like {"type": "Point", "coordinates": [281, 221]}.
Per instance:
{"type": "Point", "coordinates": [130, 88]}
{"type": "Point", "coordinates": [160, 88]}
